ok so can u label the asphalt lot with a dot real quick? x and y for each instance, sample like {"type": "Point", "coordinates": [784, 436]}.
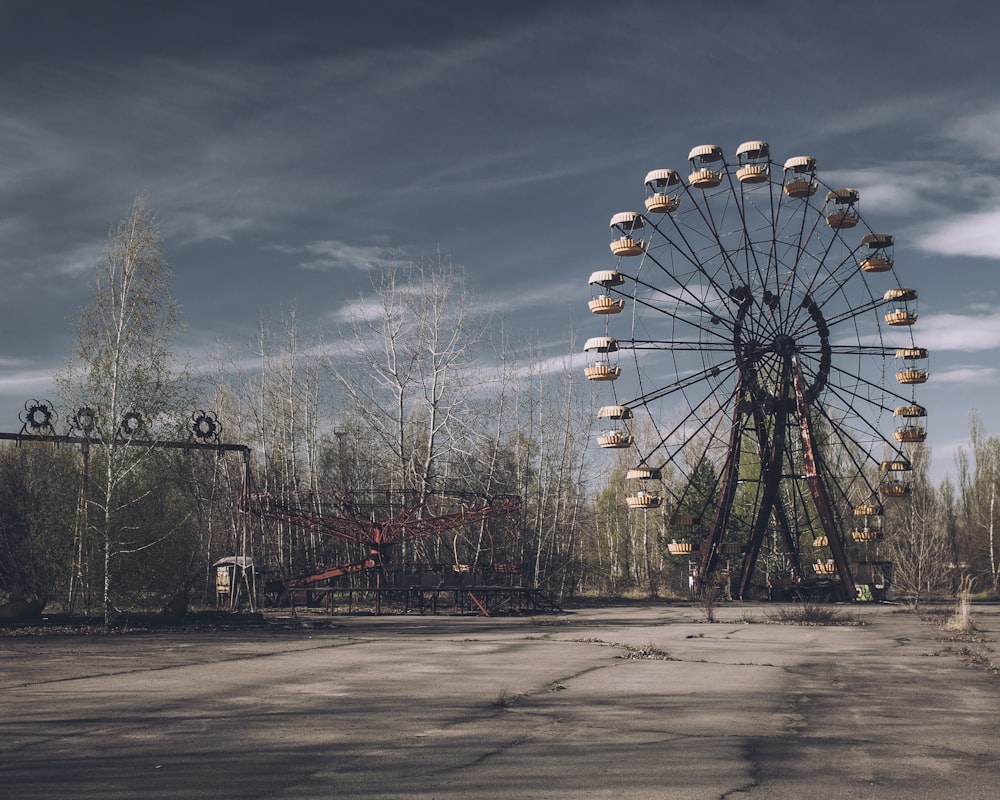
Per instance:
{"type": "Point", "coordinates": [649, 701]}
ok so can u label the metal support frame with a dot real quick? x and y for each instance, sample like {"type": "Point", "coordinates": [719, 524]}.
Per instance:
{"type": "Point", "coordinates": [200, 441]}
{"type": "Point", "coordinates": [771, 470]}
{"type": "Point", "coordinates": [727, 492]}
{"type": "Point", "coordinates": [772, 450]}
{"type": "Point", "coordinates": [811, 460]}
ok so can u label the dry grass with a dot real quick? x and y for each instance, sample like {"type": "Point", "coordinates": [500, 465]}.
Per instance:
{"type": "Point", "coordinates": [501, 700]}
{"type": "Point", "coordinates": [647, 652]}
{"type": "Point", "coordinates": [961, 620]}
{"type": "Point", "coordinates": [812, 614]}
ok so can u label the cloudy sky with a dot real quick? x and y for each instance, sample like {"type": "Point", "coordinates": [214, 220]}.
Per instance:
{"type": "Point", "coordinates": [289, 147]}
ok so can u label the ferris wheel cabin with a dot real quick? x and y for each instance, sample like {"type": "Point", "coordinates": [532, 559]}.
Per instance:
{"type": "Point", "coordinates": [706, 169]}
{"type": "Point", "coordinates": [623, 228]}
{"type": "Point", "coordinates": [660, 199]}
{"type": "Point", "coordinates": [879, 256]}
{"type": "Point", "coordinates": [754, 162]}
{"type": "Point", "coordinates": [800, 177]}
{"type": "Point", "coordinates": [602, 368]}
{"type": "Point", "coordinates": [602, 302]}
{"type": "Point", "coordinates": [904, 311]}
{"type": "Point", "coordinates": [617, 436]}
{"type": "Point", "coordinates": [868, 526]}
{"type": "Point", "coordinates": [684, 547]}
{"type": "Point", "coordinates": [843, 214]}
{"type": "Point", "coordinates": [912, 370]}
{"type": "Point", "coordinates": [913, 427]}
{"type": "Point", "coordinates": [894, 483]}
{"type": "Point", "coordinates": [643, 497]}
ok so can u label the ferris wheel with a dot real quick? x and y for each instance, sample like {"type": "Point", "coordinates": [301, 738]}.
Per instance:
{"type": "Point", "coordinates": [758, 349]}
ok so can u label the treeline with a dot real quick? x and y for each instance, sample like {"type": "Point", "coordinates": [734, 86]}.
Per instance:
{"type": "Point", "coordinates": [419, 391]}
{"type": "Point", "coordinates": [421, 394]}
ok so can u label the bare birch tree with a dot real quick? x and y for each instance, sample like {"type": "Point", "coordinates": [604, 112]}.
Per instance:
{"type": "Point", "coordinates": [979, 485]}
{"type": "Point", "coordinates": [413, 341]}
{"type": "Point", "coordinates": [917, 538]}
{"type": "Point", "coordinates": [122, 378]}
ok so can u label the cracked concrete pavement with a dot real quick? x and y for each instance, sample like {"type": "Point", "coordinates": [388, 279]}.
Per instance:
{"type": "Point", "coordinates": [646, 701]}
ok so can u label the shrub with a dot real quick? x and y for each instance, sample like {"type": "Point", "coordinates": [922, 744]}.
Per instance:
{"type": "Point", "coordinates": [812, 614]}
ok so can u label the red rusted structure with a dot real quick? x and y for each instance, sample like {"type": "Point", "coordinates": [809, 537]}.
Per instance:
{"type": "Point", "coordinates": [354, 517]}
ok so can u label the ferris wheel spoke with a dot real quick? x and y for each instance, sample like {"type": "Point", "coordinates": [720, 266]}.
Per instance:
{"type": "Point", "coordinates": [801, 255]}
{"type": "Point", "coordinates": [714, 247]}
{"type": "Point", "coordinates": [770, 246]}
{"type": "Point", "coordinates": [840, 271]}
{"type": "Point", "coordinates": [870, 385]}
{"type": "Point", "coordinates": [873, 350]}
{"type": "Point", "coordinates": [681, 311]}
{"type": "Point", "coordinates": [720, 372]}
{"type": "Point", "coordinates": [834, 276]}
{"type": "Point", "coordinates": [691, 427]}
{"type": "Point", "coordinates": [748, 249]}
{"type": "Point", "coordinates": [675, 344]}
{"type": "Point", "coordinates": [862, 426]}
{"type": "Point", "coordinates": [852, 313]}
{"type": "Point", "coordinates": [687, 298]}
{"type": "Point", "coordinates": [835, 281]}
{"type": "Point", "coordinates": [850, 447]}
{"type": "Point", "coordinates": [689, 253]}
{"type": "Point", "coordinates": [697, 460]}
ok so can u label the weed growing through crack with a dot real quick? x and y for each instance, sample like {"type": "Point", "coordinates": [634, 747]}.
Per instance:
{"type": "Point", "coordinates": [970, 657]}
{"type": "Point", "coordinates": [647, 652]}
{"type": "Point", "coordinates": [812, 614]}
{"type": "Point", "coordinates": [709, 601]}
{"type": "Point", "coordinates": [961, 620]}
{"type": "Point", "coordinates": [978, 658]}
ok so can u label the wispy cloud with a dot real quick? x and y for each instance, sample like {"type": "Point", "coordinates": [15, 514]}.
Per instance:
{"type": "Point", "coordinates": [332, 254]}
{"type": "Point", "coordinates": [976, 331]}
{"type": "Point", "coordinates": [187, 226]}
{"type": "Point", "coordinates": [25, 382]}
{"type": "Point", "coordinates": [553, 365]}
{"type": "Point", "coordinates": [82, 257]}
{"type": "Point", "coordinates": [906, 187]}
{"type": "Point", "coordinates": [962, 332]}
{"type": "Point", "coordinates": [912, 186]}
{"type": "Point", "coordinates": [967, 375]}
{"type": "Point", "coordinates": [979, 132]}
{"type": "Point", "coordinates": [973, 234]}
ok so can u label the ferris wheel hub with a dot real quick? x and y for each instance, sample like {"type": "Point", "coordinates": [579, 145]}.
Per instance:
{"type": "Point", "coordinates": [784, 345]}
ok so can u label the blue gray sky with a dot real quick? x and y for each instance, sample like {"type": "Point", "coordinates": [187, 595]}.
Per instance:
{"type": "Point", "coordinates": [287, 148]}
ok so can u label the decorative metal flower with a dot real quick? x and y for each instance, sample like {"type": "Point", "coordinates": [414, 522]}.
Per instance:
{"type": "Point", "coordinates": [38, 417]}
{"type": "Point", "coordinates": [205, 427]}
{"type": "Point", "coordinates": [84, 420]}
{"type": "Point", "coordinates": [132, 424]}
